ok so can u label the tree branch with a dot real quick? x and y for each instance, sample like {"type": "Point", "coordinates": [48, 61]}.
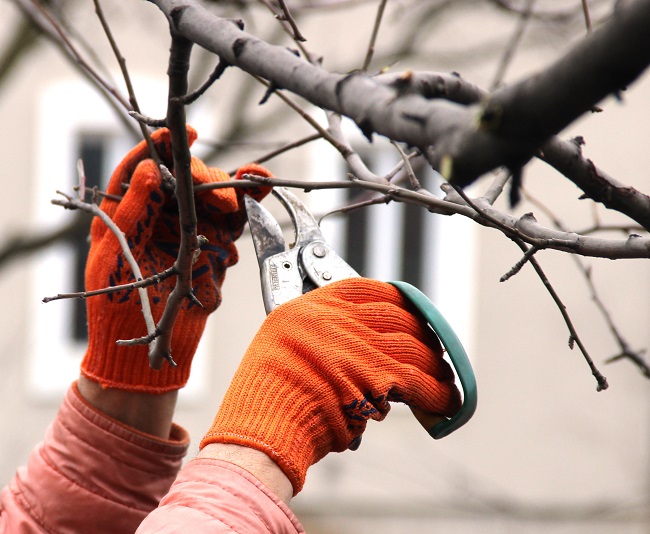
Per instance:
{"type": "Point", "coordinates": [512, 125]}
{"type": "Point", "coordinates": [565, 156]}
{"type": "Point", "coordinates": [127, 78]}
{"type": "Point", "coordinates": [151, 281]}
{"type": "Point", "coordinates": [625, 350]}
{"type": "Point", "coordinates": [73, 203]}
{"type": "Point", "coordinates": [179, 64]}
{"type": "Point", "coordinates": [373, 37]}
{"type": "Point", "coordinates": [525, 227]}
{"type": "Point", "coordinates": [529, 256]}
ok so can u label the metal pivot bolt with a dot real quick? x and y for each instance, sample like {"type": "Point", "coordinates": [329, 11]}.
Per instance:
{"type": "Point", "coordinates": [319, 251]}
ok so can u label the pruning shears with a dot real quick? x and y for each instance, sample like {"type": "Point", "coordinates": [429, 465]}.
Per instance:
{"type": "Point", "coordinates": [287, 273]}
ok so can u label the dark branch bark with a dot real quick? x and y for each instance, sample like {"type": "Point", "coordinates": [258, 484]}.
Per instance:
{"type": "Point", "coordinates": [563, 155]}
{"type": "Point", "coordinates": [179, 64]}
{"type": "Point", "coordinates": [519, 118]}
{"type": "Point", "coordinates": [566, 157]}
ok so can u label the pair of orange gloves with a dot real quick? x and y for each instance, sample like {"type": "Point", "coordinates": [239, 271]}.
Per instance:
{"type": "Point", "coordinates": [319, 367]}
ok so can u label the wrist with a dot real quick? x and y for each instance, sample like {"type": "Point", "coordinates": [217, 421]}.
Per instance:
{"type": "Point", "coordinates": [150, 413]}
{"type": "Point", "coordinates": [256, 463]}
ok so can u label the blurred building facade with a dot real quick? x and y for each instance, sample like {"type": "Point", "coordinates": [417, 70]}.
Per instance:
{"type": "Point", "coordinates": [545, 452]}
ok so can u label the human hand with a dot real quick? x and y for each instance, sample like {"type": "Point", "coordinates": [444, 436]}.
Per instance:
{"type": "Point", "coordinates": [322, 365]}
{"type": "Point", "coordinates": [148, 216]}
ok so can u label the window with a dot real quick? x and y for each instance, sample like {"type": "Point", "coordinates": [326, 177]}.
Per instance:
{"type": "Point", "coordinates": [390, 241]}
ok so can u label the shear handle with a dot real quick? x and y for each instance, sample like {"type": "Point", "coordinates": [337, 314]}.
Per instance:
{"type": "Point", "coordinates": [440, 428]}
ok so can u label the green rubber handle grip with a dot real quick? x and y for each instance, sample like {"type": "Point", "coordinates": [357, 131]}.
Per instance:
{"type": "Point", "coordinates": [458, 358]}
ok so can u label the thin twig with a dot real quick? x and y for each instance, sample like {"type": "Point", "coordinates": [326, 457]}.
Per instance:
{"type": "Point", "coordinates": [538, 235]}
{"type": "Point", "coordinates": [351, 156]}
{"type": "Point", "coordinates": [601, 380]}
{"type": "Point", "coordinates": [285, 26]}
{"type": "Point", "coordinates": [72, 203]}
{"type": "Point", "coordinates": [284, 148]}
{"type": "Point", "coordinates": [373, 38]}
{"type": "Point", "coordinates": [512, 233]}
{"type": "Point", "coordinates": [96, 192]}
{"type": "Point", "coordinates": [515, 40]}
{"type": "Point", "coordinates": [149, 121]}
{"type": "Point", "coordinates": [81, 173]}
{"type": "Point", "coordinates": [496, 188]}
{"type": "Point", "coordinates": [585, 10]}
{"type": "Point", "coordinates": [78, 58]}
{"type": "Point", "coordinates": [151, 281]}
{"type": "Point", "coordinates": [127, 79]}
{"type": "Point", "coordinates": [343, 149]}
{"type": "Point", "coordinates": [384, 199]}
{"type": "Point", "coordinates": [415, 183]}
{"type": "Point", "coordinates": [518, 266]}
{"type": "Point", "coordinates": [626, 352]}
{"type": "Point", "coordinates": [287, 17]}
{"type": "Point", "coordinates": [214, 76]}
{"type": "Point", "coordinates": [44, 21]}
{"type": "Point", "coordinates": [574, 338]}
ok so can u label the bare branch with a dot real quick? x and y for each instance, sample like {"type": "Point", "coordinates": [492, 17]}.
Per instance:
{"type": "Point", "coordinates": [566, 157]}
{"type": "Point", "coordinates": [127, 78]}
{"type": "Point", "coordinates": [285, 148]}
{"type": "Point", "coordinates": [216, 74]}
{"type": "Point", "coordinates": [373, 38]}
{"type": "Point", "coordinates": [351, 156]}
{"type": "Point", "coordinates": [151, 281]}
{"type": "Point", "coordinates": [179, 62]}
{"type": "Point", "coordinates": [496, 187]}
{"type": "Point", "coordinates": [384, 199]}
{"type": "Point", "coordinates": [574, 338]}
{"type": "Point", "coordinates": [149, 121]}
{"type": "Point", "coordinates": [519, 265]}
{"type": "Point", "coordinates": [511, 47]}
{"type": "Point", "coordinates": [626, 351]}
{"type": "Point", "coordinates": [526, 227]}
{"type": "Point", "coordinates": [415, 183]}
{"type": "Point", "coordinates": [287, 16]}
{"type": "Point", "coordinates": [514, 123]}
{"type": "Point", "coordinates": [72, 203]}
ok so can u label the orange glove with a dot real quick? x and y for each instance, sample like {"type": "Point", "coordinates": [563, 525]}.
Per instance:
{"type": "Point", "coordinates": [148, 216]}
{"type": "Point", "coordinates": [322, 365]}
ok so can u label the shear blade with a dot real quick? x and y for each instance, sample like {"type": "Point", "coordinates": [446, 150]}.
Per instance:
{"type": "Point", "coordinates": [304, 224]}
{"type": "Point", "coordinates": [267, 234]}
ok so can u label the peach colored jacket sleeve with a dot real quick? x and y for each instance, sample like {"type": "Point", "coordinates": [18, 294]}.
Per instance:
{"type": "Point", "coordinates": [93, 474]}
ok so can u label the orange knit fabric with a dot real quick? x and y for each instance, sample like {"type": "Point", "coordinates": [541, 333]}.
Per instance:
{"type": "Point", "coordinates": [322, 365]}
{"type": "Point", "coordinates": [148, 216]}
